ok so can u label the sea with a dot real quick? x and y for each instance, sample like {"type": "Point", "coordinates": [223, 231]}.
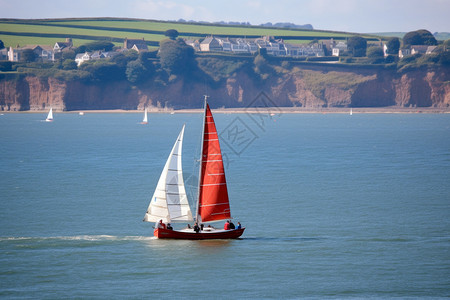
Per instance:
{"type": "Point", "coordinates": [335, 206]}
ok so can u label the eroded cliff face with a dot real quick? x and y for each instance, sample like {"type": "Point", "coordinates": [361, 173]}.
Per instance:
{"type": "Point", "coordinates": [308, 88]}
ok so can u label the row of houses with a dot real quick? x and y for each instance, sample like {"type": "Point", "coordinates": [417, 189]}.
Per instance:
{"type": "Point", "coordinates": [415, 49]}
{"type": "Point", "coordinates": [209, 44]}
{"type": "Point", "coordinates": [46, 53]}
{"type": "Point", "coordinates": [242, 45]}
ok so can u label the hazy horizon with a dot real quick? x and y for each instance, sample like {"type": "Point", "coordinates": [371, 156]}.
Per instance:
{"type": "Point", "coordinates": [347, 15]}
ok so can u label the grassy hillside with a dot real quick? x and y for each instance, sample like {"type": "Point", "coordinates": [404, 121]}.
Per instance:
{"type": "Point", "coordinates": [48, 31]}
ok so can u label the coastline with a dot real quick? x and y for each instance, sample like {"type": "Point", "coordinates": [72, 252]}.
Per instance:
{"type": "Point", "coordinates": [257, 110]}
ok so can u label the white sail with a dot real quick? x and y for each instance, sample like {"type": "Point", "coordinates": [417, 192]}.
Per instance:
{"type": "Point", "coordinates": [169, 202]}
{"type": "Point", "coordinates": [145, 121]}
{"type": "Point", "coordinates": [50, 115]}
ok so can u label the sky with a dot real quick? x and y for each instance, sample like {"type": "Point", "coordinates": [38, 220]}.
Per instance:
{"type": "Point", "coordinates": [359, 16]}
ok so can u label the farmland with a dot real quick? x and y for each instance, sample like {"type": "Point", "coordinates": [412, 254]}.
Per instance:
{"type": "Point", "coordinates": [49, 31]}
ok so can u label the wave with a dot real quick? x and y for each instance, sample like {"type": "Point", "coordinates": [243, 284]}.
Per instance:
{"type": "Point", "coordinates": [92, 238]}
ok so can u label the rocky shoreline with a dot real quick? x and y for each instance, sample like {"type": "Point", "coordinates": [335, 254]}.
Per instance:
{"type": "Point", "coordinates": [264, 110]}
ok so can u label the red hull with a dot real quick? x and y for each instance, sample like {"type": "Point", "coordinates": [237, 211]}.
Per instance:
{"type": "Point", "coordinates": [203, 235]}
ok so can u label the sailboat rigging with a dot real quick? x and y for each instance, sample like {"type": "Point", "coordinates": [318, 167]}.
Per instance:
{"type": "Point", "coordinates": [169, 203]}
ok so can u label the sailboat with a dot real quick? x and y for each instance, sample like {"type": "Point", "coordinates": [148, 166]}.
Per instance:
{"type": "Point", "coordinates": [169, 203]}
{"type": "Point", "coordinates": [50, 115]}
{"type": "Point", "coordinates": [145, 120]}
{"type": "Point", "coordinates": [351, 111]}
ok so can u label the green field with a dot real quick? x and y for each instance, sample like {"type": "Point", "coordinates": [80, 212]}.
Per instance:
{"type": "Point", "coordinates": [49, 31]}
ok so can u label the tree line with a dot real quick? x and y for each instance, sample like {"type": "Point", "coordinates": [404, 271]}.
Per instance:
{"type": "Point", "coordinates": [175, 59]}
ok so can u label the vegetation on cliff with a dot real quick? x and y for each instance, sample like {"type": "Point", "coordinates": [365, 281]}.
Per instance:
{"type": "Point", "coordinates": [174, 69]}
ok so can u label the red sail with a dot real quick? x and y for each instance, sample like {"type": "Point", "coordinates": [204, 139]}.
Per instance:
{"type": "Point", "coordinates": [213, 197]}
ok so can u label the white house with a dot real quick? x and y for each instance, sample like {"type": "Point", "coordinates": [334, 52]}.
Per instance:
{"type": "Point", "coordinates": [82, 57]}
{"type": "Point", "coordinates": [61, 46]}
{"type": "Point", "coordinates": [338, 48]}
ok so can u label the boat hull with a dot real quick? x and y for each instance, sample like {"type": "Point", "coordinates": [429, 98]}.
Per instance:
{"type": "Point", "coordinates": [202, 235]}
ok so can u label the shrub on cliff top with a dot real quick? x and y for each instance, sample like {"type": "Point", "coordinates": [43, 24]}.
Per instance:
{"type": "Point", "coordinates": [103, 71]}
{"type": "Point", "coordinates": [177, 57]}
{"type": "Point", "coordinates": [419, 37]}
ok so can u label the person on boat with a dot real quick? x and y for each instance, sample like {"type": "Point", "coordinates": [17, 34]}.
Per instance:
{"type": "Point", "coordinates": [169, 226]}
{"type": "Point", "coordinates": [232, 225]}
{"type": "Point", "coordinates": [239, 225]}
{"type": "Point", "coordinates": [161, 225]}
{"type": "Point", "coordinates": [196, 228]}
{"type": "Point", "coordinates": [227, 225]}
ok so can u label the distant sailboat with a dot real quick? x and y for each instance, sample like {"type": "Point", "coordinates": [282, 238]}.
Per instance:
{"type": "Point", "coordinates": [170, 204]}
{"type": "Point", "coordinates": [351, 111]}
{"type": "Point", "coordinates": [50, 115]}
{"type": "Point", "coordinates": [145, 120]}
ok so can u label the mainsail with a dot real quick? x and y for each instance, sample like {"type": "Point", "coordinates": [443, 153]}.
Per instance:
{"type": "Point", "coordinates": [213, 203]}
{"type": "Point", "coordinates": [50, 115]}
{"type": "Point", "coordinates": [145, 120]}
{"type": "Point", "coordinates": [169, 202]}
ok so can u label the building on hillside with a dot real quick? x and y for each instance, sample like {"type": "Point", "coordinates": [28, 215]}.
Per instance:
{"type": "Point", "coordinates": [333, 48]}
{"type": "Point", "coordinates": [338, 48]}
{"type": "Point", "coordinates": [226, 44]}
{"type": "Point", "coordinates": [417, 49]}
{"type": "Point", "coordinates": [272, 46]}
{"type": "Point", "coordinates": [240, 46]}
{"type": "Point", "coordinates": [43, 53]}
{"type": "Point", "coordinates": [404, 52]}
{"type": "Point", "coordinates": [4, 54]}
{"type": "Point", "coordinates": [422, 49]}
{"type": "Point", "coordinates": [61, 46]}
{"type": "Point", "coordinates": [87, 56]}
{"type": "Point", "coordinates": [251, 46]}
{"type": "Point", "coordinates": [194, 44]}
{"type": "Point", "coordinates": [137, 45]}
{"type": "Point", "coordinates": [210, 44]}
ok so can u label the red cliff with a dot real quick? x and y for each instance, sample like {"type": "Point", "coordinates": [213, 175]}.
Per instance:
{"type": "Point", "coordinates": [309, 88]}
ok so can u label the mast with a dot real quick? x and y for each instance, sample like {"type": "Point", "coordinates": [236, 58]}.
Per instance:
{"type": "Point", "coordinates": [197, 217]}
{"type": "Point", "coordinates": [213, 201]}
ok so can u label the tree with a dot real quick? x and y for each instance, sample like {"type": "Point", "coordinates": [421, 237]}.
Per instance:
{"type": "Point", "coordinates": [262, 67]}
{"type": "Point", "coordinates": [447, 43]}
{"type": "Point", "coordinates": [171, 34]}
{"type": "Point", "coordinates": [376, 54]}
{"type": "Point", "coordinates": [2, 45]}
{"type": "Point", "coordinates": [135, 72]}
{"type": "Point", "coordinates": [28, 55]}
{"type": "Point", "coordinates": [94, 46]}
{"type": "Point", "coordinates": [393, 46]}
{"type": "Point", "coordinates": [101, 70]}
{"type": "Point", "coordinates": [69, 64]}
{"type": "Point", "coordinates": [69, 54]}
{"type": "Point", "coordinates": [419, 37]}
{"type": "Point", "coordinates": [177, 57]}
{"type": "Point", "coordinates": [357, 46]}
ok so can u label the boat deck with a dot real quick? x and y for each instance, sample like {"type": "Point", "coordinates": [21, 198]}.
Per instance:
{"type": "Point", "coordinates": [206, 233]}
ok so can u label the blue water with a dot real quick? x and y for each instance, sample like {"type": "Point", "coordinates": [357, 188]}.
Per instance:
{"type": "Point", "coordinates": [335, 206]}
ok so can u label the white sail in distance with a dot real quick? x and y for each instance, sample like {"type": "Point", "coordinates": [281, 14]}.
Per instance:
{"type": "Point", "coordinates": [169, 202]}
{"type": "Point", "coordinates": [50, 115]}
{"type": "Point", "coordinates": [145, 120]}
